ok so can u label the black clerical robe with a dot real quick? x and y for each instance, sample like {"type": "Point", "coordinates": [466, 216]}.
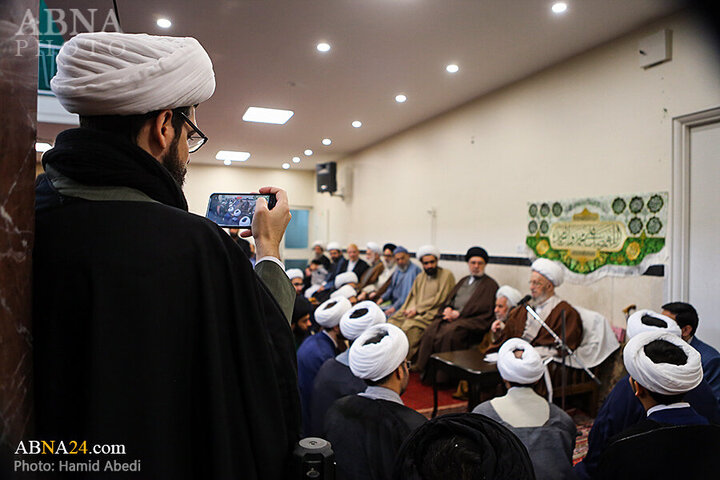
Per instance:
{"type": "Point", "coordinates": [366, 435]}
{"type": "Point", "coordinates": [151, 329]}
{"type": "Point", "coordinates": [334, 380]}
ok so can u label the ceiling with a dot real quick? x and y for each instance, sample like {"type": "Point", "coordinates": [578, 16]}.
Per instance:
{"type": "Point", "coordinates": [264, 54]}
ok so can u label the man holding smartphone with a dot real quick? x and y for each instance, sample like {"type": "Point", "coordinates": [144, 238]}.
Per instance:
{"type": "Point", "coordinates": [151, 329]}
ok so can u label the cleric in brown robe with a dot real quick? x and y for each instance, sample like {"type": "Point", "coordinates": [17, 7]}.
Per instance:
{"type": "Point", "coordinates": [544, 278]}
{"type": "Point", "coordinates": [466, 313]}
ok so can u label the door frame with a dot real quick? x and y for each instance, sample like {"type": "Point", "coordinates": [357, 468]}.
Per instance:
{"type": "Point", "coordinates": [680, 199]}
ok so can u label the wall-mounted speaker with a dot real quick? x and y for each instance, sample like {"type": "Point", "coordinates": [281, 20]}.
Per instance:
{"type": "Point", "coordinates": [326, 177]}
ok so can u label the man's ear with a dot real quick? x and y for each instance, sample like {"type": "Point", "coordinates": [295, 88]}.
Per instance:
{"type": "Point", "coordinates": [161, 130]}
{"type": "Point", "coordinates": [638, 389]}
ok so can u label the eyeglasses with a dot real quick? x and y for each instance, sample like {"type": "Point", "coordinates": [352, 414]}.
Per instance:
{"type": "Point", "coordinates": [196, 138]}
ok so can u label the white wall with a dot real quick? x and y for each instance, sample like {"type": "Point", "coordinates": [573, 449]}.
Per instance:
{"type": "Point", "coordinates": [595, 125]}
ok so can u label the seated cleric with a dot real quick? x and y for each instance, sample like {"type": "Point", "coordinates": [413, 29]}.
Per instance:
{"type": "Point", "coordinates": [367, 429]}
{"type": "Point", "coordinates": [150, 327]}
{"type": "Point", "coordinates": [662, 368]}
{"type": "Point", "coordinates": [465, 314]}
{"type": "Point", "coordinates": [545, 276]}
{"type": "Point", "coordinates": [544, 428]}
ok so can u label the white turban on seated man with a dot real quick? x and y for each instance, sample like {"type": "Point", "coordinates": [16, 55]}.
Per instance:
{"type": "Point", "coordinates": [546, 430]}
{"type": "Point", "coordinates": [367, 429]}
{"type": "Point", "coordinates": [663, 368]}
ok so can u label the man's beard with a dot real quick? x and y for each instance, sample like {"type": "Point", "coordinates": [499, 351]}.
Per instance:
{"type": "Point", "coordinates": [500, 317]}
{"type": "Point", "coordinates": [171, 162]}
{"type": "Point", "coordinates": [431, 272]}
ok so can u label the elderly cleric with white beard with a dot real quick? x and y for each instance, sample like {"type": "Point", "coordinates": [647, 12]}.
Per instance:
{"type": "Point", "coordinates": [545, 276]}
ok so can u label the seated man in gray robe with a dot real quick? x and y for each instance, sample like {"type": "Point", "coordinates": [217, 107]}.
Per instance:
{"type": "Point", "coordinates": [366, 430]}
{"type": "Point", "coordinates": [547, 432]}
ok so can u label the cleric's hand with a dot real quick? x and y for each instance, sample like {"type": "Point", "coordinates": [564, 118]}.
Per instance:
{"type": "Point", "coordinates": [268, 226]}
{"type": "Point", "coordinates": [497, 326]}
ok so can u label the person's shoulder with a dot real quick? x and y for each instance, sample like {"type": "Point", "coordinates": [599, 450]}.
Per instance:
{"type": "Point", "coordinates": [308, 345]}
{"type": "Point", "coordinates": [329, 367]}
{"type": "Point", "coordinates": [643, 426]}
{"type": "Point", "coordinates": [407, 414]}
{"type": "Point", "coordinates": [490, 281]}
{"type": "Point", "coordinates": [485, 408]}
{"type": "Point", "coordinates": [447, 273]}
{"type": "Point", "coordinates": [560, 416]}
{"type": "Point", "coordinates": [564, 305]}
{"type": "Point", "coordinates": [705, 349]}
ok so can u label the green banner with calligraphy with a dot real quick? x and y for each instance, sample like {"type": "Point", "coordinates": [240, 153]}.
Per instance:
{"type": "Point", "coordinates": [595, 237]}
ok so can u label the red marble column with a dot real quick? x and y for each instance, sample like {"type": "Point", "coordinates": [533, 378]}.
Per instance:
{"type": "Point", "coordinates": [18, 104]}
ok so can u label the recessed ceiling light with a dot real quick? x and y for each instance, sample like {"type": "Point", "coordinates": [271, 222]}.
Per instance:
{"type": "Point", "coordinates": [400, 98]}
{"type": "Point", "coordinates": [296, 159]}
{"type": "Point", "coordinates": [228, 162]}
{"type": "Point", "coordinates": [452, 68]}
{"type": "Point", "coordinates": [323, 47]}
{"type": "Point", "coordinates": [559, 7]}
{"type": "Point", "coordinates": [164, 23]}
{"type": "Point", "coordinates": [286, 166]}
{"type": "Point", "coordinates": [357, 124]}
{"type": "Point", "coordinates": [308, 152]}
{"type": "Point", "coordinates": [232, 156]}
{"type": "Point", "coordinates": [267, 115]}
{"type": "Point", "coordinates": [42, 147]}
{"type": "Point", "coordinates": [326, 141]}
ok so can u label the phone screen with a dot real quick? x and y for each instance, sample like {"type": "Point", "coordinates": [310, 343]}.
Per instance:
{"type": "Point", "coordinates": [235, 210]}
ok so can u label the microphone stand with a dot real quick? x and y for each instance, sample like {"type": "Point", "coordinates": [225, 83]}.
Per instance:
{"type": "Point", "coordinates": [562, 344]}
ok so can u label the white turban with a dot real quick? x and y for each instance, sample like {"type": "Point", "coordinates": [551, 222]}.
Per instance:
{"type": "Point", "coordinates": [295, 273]}
{"type": "Point", "coordinates": [318, 243]}
{"type": "Point", "coordinates": [359, 318]}
{"type": "Point", "coordinates": [311, 291]}
{"type": "Point", "coordinates": [513, 296]}
{"type": "Point", "coordinates": [373, 247]}
{"type": "Point", "coordinates": [329, 313]}
{"type": "Point", "coordinates": [373, 361]}
{"type": "Point", "coordinates": [345, 277]}
{"type": "Point", "coordinates": [333, 246]}
{"type": "Point", "coordinates": [346, 291]}
{"type": "Point", "coordinates": [526, 370]}
{"type": "Point", "coordinates": [662, 378]}
{"type": "Point", "coordinates": [550, 270]}
{"type": "Point", "coordinates": [108, 73]}
{"type": "Point", "coordinates": [428, 250]}
{"type": "Point", "coordinates": [649, 321]}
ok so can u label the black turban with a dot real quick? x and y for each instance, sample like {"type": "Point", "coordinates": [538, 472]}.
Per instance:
{"type": "Point", "coordinates": [302, 308]}
{"type": "Point", "coordinates": [476, 252]}
{"type": "Point", "coordinates": [391, 246]}
{"type": "Point", "coordinates": [463, 446]}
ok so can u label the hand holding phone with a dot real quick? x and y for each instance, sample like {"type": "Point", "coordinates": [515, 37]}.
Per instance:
{"type": "Point", "coordinates": [236, 210]}
{"type": "Point", "coordinates": [268, 226]}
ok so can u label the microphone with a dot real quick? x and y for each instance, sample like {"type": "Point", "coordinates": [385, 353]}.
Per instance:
{"type": "Point", "coordinates": [525, 299]}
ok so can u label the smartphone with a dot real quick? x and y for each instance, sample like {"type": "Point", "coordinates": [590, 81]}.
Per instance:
{"type": "Point", "coordinates": [235, 210]}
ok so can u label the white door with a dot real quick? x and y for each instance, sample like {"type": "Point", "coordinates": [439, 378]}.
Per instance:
{"type": "Point", "coordinates": [704, 230]}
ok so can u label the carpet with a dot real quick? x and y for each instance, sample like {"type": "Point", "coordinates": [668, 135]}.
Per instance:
{"type": "Point", "coordinates": [583, 423]}
{"type": "Point", "coordinates": [419, 397]}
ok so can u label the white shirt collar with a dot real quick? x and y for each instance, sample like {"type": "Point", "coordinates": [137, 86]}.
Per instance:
{"type": "Point", "coordinates": [658, 408]}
